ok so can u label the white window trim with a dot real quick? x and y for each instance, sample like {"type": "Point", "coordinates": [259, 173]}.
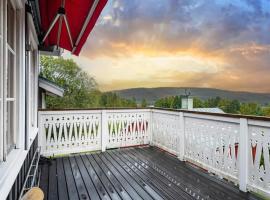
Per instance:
{"type": "Point", "coordinates": [21, 78]}
{"type": "Point", "coordinates": [33, 108]}
{"type": "Point", "coordinates": [10, 168]}
{"type": "Point", "coordinates": [20, 72]}
{"type": "Point", "coordinates": [6, 99]}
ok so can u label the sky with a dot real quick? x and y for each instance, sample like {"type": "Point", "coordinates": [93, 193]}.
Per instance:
{"type": "Point", "coordinates": [221, 44]}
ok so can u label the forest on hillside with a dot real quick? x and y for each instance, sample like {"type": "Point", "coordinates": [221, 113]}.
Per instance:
{"type": "Point", "coordinates": [81, 91]}
{"type": "Point", "coordinates": [228, 106]}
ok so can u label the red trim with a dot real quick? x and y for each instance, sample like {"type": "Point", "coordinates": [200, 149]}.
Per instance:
{"type": "Point", "coordinates": [163, 150]}
{"type": "Point", "coordinates": [139, 145]}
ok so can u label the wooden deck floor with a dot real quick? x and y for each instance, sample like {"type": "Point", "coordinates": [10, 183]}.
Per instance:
{"type": "Point", "coordinates": [132, 173]}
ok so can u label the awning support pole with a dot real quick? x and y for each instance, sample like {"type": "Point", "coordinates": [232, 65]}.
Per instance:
{"type": "Point", "coordinates": [60, 24]}
{"type": "Point", "coordinates": [51, 26]}
{"type": "Point", "coordinates": [59, 31]}
{"type": "Point", "coordinates": [62, 15]}
{"type": "Point", "coordinates": [68, 30]}
{"type": "Point", "coordinates": [89, 16]}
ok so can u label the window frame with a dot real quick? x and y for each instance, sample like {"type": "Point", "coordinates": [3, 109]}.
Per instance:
{"type": "Point", "coordinates": [17, 52]}
{"type": "Point", "coordinates": [10, 99]}
{"type": "Point", "coordinates": [33, 60]}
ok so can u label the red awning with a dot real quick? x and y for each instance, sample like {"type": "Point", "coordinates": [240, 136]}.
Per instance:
{"type": "Point", "coordinates": [67, 23]}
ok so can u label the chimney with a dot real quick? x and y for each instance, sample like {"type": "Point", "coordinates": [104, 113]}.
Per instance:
{"type": "Point", "coordinates": [187, 103]}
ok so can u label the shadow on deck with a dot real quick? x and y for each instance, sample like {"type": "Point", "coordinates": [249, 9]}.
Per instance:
{"type": "Point", "coordinates": [131, 173]}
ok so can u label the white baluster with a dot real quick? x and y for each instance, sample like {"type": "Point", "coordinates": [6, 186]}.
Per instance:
{"type": "Point", "coordinates": [104, 130]}
{"type": "Point", "coordinates": [181, 132]}
{"type": "Point", "coordinates": [243, 155]}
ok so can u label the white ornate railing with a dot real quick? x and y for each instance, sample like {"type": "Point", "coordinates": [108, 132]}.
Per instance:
{"type": "Point", "coordinates": [258, 156]}
{"type": "Point", "coordinates": [63, 132]}
{"type": "Point", "coordinates": [127, 128]}
{"type": "Point", "coordinates": [166, 126]}
{"type": "Point", "coordinates": [73, 131]}
{"type": "Point", "coordinates": [231, 146]}
{"type": "Point", "coordinates": [212, 143]}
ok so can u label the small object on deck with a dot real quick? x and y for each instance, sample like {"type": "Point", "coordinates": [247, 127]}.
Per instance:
{"type": "Point", "coordinates": [34, 193]}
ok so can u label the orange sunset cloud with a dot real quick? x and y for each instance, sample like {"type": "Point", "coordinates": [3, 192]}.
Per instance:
{"type": "Point", "coordinates": [180, 44]}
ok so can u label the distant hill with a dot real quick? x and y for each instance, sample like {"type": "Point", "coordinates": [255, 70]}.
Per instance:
{"type": "Point", "coordinates": [152, 94]}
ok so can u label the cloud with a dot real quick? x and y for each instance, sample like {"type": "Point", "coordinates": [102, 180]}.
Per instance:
{"type": "Point", "coordinates": [174, 26]}
{"type": "Point", "coordinates": [217, 43]}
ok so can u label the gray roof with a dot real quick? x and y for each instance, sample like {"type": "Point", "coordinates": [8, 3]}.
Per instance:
{"type": "Point", "coordinates": [211, 110]}
{"type": "Point", "coordinates": [50, 87]}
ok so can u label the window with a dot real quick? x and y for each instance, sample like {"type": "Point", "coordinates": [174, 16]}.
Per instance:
{"type": "Point", "coordinates": [10, 121]}
{"type": "Point", "coordinates": [8, 90]}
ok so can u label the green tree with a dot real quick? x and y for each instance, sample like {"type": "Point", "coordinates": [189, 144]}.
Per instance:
{"type": "Point", "coordinates": [212, 102]}
{"type": "Point", "coordinates": [144, 103]}
{"type": "Point", "coordinates": [233, 107]}
{"type": "Point", "coordinates": [250, 109]}
{"type": "Point", "coordinates": [80, 88]}
{"type": "Point", "coordinates": [266, 111]}
{"type": "Point", "coordinates": [177, 102]}
{"type": "Point", "coordinates": [161, 103]}
{"type": "Point", "coordinates": [110, 99]}
{"type": "Point", "coordinates": [229, 106]}
{"type": "Point", "coordinates": [198, 103]}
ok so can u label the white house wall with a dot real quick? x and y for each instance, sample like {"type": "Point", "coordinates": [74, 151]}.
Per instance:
{"type": "Point", "coordinates": [10, 168]}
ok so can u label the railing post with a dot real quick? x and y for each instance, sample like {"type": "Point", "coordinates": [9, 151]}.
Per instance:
{"type": "Point", "coordinates": [41, 134]}
{"type": "Point", "coordinates": [243, 155]}
{"type": "Point", "coordinates": [150, 125]}
{"type": "Point", "coordinates": [181, 137]}
{"type": "Point", "coordinates": [104, 130]}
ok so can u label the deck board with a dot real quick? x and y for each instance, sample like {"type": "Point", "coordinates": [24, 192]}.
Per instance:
{"type": "Point", "coordinates": [81, 189]}
{"type": "Point", "coordinates": [145, 183]}
{"type": "Point", "coordinates": [126, 185]}
{"type": "Point", "coordinates": [61, 180]}
{"type": "Point", "coordinates": [207, 187]}
{"type": "Point", "coordinates": [169, 184]}
{"type": "Point", "coordinates": [107, 184]}
{"type": "Point", "coordinates": [98, 184]}
{"type": "Point", "coordinates": [137, 185]}
{"type": "Point", "coordinates": [162, 187]}
{"type": "Point", "coordinates": [194, 178]}
{"type": "Point", "coordinates": [117, 185]}
{"type": "Point", "coordinates": [44, 179]}
{"type": "Point", "coordinates": [86, 179]}
{"type": "Point", "coordinates": [52, 186]}
{"type": "Point", "coordinates": [146, 161]}
{"type": "Point", "coordinates": [71, 186]}
{"type": "Point", "coordinates": [131, 173]}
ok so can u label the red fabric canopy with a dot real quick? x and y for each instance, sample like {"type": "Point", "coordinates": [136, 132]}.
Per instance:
{"type": "Point", "coordinates": [77, 12]}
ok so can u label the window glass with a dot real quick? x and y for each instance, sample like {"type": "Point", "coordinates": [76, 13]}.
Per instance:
{"type": "Point", "coordinates": [1, 19]}
{"type": "Point", "coordinates": [10, 75]}
{"type": "Point", "coordinates": [10, 116]}
{"type": "Point", "coordinates": [10, 136]}
{"type": "Point", "coordinates": [32, 87]}
{"type": "Point", "coordinates": [10, 25]}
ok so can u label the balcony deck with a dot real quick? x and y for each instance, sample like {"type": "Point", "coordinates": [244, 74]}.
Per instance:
{"type": "Point", "coordinates": [131, 173]}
